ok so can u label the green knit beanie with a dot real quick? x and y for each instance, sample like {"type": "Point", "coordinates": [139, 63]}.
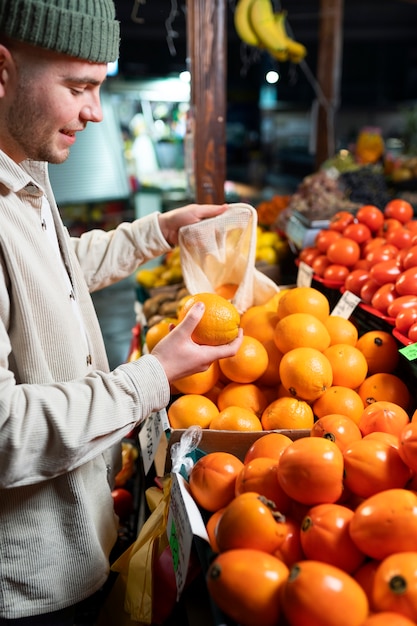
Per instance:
{"type": "Point", "coordinates": [86, 29]}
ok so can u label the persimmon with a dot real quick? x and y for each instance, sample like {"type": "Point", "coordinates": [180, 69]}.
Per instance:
{"type": "Point", "coordinates": [395, 585]}
{"type": "Point", "coordinates": [290, 550]}
{"type": "Point", "coordinates": [211, 528]}
{"type": "Point", "coordinates": [246, 585]}
{"type": "Point", "coordinates": [383, 416]}
{"type": "Point", "coordinates": [386, 523]}
{"type": "Point", "coordinates": [387, 387]}
{"type": "Point", "coordinates": [408, 445]}
{"type": "Point", "coordinates": [311, 471]}
{"type": "Point", "coordinates": [373, 465]}
{"type": "Point", "coordinates": [338, 428]}
{"type": "Point", "coordinates": [380, 350]}
{"type": "Point", "coordinates": [365, 575]}
{"type": "Point", "coordinates": [325, 537]}
{"type": "Point", "coordinates": [270, 445]}
{"type": "Point", "coordinates": [339, 399]}
{"type": "Point", "coordinates": [212, 479]}
{"type": "Point", "coordinates": [387, 618]}
{"type": "Point", "coordinates": [250, 521]}
{"type": "Point", "coordinates": [319, 593]}
{"type": "Point", "coordinates": [261, 476]}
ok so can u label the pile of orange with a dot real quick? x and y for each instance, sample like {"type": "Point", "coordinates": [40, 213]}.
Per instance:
{"type": "Point", "coordinates": [297, 363]}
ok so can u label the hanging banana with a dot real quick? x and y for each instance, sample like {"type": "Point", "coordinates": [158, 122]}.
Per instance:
{"type": "Point", "coordinates": [242, 23]}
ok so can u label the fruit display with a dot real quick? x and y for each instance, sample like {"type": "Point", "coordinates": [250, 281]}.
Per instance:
{"type": "Point", "coordinates": [259, 26]}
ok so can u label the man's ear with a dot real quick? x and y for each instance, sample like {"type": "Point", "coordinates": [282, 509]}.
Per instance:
{"type": "Point", "coordinates": [5, 63]}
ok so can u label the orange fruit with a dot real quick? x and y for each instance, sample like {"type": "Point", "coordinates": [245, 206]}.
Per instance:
{"type": "Point", "coordinates": [270, 377]}
{"type": "Point", "coordinates": [249, 362]}
{"type": "Point", "coordinates": [385, 386]}
{"type": "Point", "coordinates": [338, 428]}
{"type": "Point", "coordinates": [306, 373]}
{"type": "Point", "coordinates": [341, 330]}
{"type": "Point", "coordinates": [213, 393]}
{"type": "Point", "coordinates": [261, 326]}
{"type": "Point", "coordinates": [348, 364]}
{"type": "Point", "coordinates": [246, 395]}
{"type": "Point", "coordinates": [220, 321]}
{"type": "Point", "coordinates": [226, 290]}
{"type": "Point", "coordinates": [236, 418]}
{"type": "Point", "coordinates": [155, 333]}
{"type": "Point", "coordinates": [380, 350]}
{"type": "Point", "coordinates": [381, 416]}
{"type": "Point", "coordinates": [287, 413]}
{"type": "Point", "coordinates": [304, 300]}
{"type": "Point", "coordinates": [212, 480]}
{"type": "Point", "coordinates": [269, 445]}
{"type": "Point", "coordinates": [200, 382]}
{"type": "Point", "coordinates": [190, 410]}
{"type": "Point", "coordinates": [252, 311]}
{"type": "Point", "coordinates": [339, 399]}
{"type": "Point", "coordinates": [272, 303]}
{"type": "Point", "coordinates": [301, 330]}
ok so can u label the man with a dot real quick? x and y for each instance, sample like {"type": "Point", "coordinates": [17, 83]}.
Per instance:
{"type": "Point", "coordinates": [61, 409]}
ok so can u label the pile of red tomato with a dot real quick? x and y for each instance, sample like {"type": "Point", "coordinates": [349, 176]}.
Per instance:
{"type": "Point", "coordinates": [373, 254]}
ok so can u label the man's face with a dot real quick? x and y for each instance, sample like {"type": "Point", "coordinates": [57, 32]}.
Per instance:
{"type": "Point", "coordinates": [53, 98]}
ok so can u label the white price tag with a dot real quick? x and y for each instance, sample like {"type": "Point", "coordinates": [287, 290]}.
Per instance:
{"type": "Point", "coordinates": [304, 275]}
{"type": "Point", "coordinates": [346, 305]}
{"type": "Point", "coordinates": [149, 438]}
{"type": "Point", "coordinates": [184, 521]}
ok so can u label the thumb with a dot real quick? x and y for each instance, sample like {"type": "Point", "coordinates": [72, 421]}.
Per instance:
{"type": "Point", "coordinates": [193, 317]}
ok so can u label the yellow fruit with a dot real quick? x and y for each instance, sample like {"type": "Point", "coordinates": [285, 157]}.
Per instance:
{"type": "Point", "coordinates": [220, 321]}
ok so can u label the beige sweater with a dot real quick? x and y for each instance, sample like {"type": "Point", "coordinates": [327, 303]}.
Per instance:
{"type": "Point", "coordinates": [60, 408]}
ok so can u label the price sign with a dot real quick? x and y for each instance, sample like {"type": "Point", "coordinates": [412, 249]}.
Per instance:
{"type": "Point", "coordinates": [150, 436]}
{"type": "Point", "coordinates": [346, 305]}
{"type": "Point", "coordinates": [184, 521]}
{"type": "Point", "coordinates": [304, 275]}
{"type": "Point", "coordinates": [410, 352]}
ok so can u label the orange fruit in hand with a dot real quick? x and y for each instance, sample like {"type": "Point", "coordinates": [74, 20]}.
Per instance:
{"type": "Point", "coordinates": [269, 445]}
{"type": "Point", "coordinates": [158, 331]}
{"type": "Point", "coordinates": [287, 413]}
{"type": "Point", "coordinates": [387, 387]}
{"type": "Point", "coordinates": [190, 410]}
{"type": "Point", "coordinates": [236, 418]}
{"type": "Point", "coordinates": [339, 399]}
{"type": "Point", "coordinates": [320, 593]}
{"type": "Point", "coordinates": [341, 330]}
{"type": "Point", "coordinates": [200, 382]}
{"type": "Point", "coordinates": [348, 364]}
{"type": "Point", "coordinates": [301, 330]}
{"type": "Point", "coordinates": [219, 323]}
{"type": "Point", "coordinates": [306, 373]}
{"type": "Point", "coordinates": [338, 428]}
{"type": "Point", "coordinates": [212, 480]}
{"type": "Point", "coordinates": [380, 350]}
{"type": "Point", "coordinates": [249, 362]}
{"type": "Point", "coordinates": [304, 300]}
{"type": "Point", "coordinates": [246, 395]}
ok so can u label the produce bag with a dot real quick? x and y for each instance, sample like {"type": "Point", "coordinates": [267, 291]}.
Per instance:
{"type": "Point", "coordinates": [221, 250]}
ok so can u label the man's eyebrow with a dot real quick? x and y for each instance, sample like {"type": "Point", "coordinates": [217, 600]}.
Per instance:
{"type": "Point", "coordinates": [83, 80]}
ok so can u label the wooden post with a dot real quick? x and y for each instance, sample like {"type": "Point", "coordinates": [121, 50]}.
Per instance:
{"type": "Point", "coordinates": [328, 76]}
{"type": "Point", "coordinates": [207, 50]}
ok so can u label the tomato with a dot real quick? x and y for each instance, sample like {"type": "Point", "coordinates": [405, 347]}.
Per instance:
{"type": "Point", "coordinates": [355, 280]}
{"type": "Point", "coordinates": [373, 243]}
{"type": "Point", "coordinates": [246, 585]}
{"type": "Point", "coordinates": [368, 289]}
{"type": "Point", "coordinates": [340, 220]}
{"type": "Point", "coordinates": [361, 264]}
{"type": "Point", "coordinates": [307, 255]}
{"type": "Point", "coordinates": [386, 523]}
{"type": "Point", "coordinates": [399, 209]}
{"type": "Point", "coordinates": [410, 258]}
{"type": "Point", "coordinates": [383, 297]}
{"type": "Point", "coordinates": [405, 319]}
{"type": "Point", "coordinates": [412, 333]}
{"type": "Point", "coordinates": [382, 253]}
{"type": "Point", "coordinates": [400, 237]}
{"type": "Point", "coordinates": [325, 537]}
{"type": "Point", "coordinates": [395, 585]}
{"type": "Point", "coordinates": [364, 575]}
{"type": "Point", "coordinates": [344, 251]}
{"type": "Point", "coordinates": [325, 237]}
{"type": "Point", "coordinates": [319, 593]}
{"type": "Point", "coordinates": [336, 273]}
{"type": "Point", "coordinates": [411, 225]}
{"type": "Point", "coordinates": [401, 303]}
{"type": "Point", "coordinates": [249, 521]}
{"type": "Point", "coordinates": [385, 271]}
{"type": "Point", "coordinates": [389, 224]}
{"type": "Point", "coordinates": [319, 264]}
{"type": "Point", "coordinates": [370, 215]}
{"type": "Point", "coordinates": [122, 502]}
{"type": "Point", "coordinates": [406, 283]}
{"type": "Point", "coordinates": [358, 232]}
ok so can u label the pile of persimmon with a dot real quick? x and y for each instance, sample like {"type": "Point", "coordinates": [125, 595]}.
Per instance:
{"type": "Point", "coordinates": [297, 362]}
{"type": "Point", "coordinates": [373, 254]}
{"type": "Point", "coordinates": [316, 530]}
